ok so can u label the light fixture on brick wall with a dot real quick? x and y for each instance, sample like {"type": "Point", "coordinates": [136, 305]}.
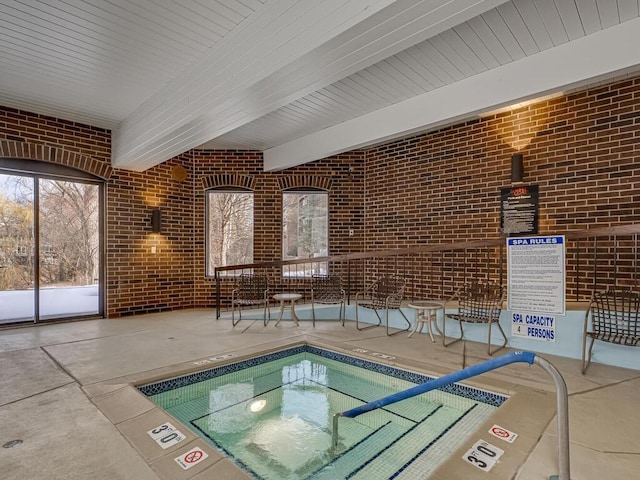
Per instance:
{"type": "Point", "coordinates": [517, 168]}
{"type": "Point", "coordinates": [156, 220]}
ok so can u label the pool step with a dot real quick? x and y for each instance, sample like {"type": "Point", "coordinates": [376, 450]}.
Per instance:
{"type": "Point", "coordinates": [349, 461]}
{"type": "Point", "coordinates": [374, 458]}
{"type": "Point", "coordinates": [405, 450]}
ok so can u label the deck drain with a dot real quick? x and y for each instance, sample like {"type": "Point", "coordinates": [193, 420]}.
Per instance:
{"type": "Point", "coordinates": [12, 443]}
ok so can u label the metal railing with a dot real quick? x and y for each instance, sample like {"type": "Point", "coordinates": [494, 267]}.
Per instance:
{"type": "Point", "coordinates": [595, 258]}
{"type": "Point", "coordinates": [474, 370]}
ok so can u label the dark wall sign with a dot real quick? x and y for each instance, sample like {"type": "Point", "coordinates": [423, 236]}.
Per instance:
{"type": "Point", "coordinates": [519, 210]}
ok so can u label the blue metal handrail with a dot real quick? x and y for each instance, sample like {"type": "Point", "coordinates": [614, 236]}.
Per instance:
{"type": "Point", "coordinates": [472, 371]}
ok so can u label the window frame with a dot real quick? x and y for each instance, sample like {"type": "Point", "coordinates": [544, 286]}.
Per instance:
{"type": "Point", "coordinates": [323, 267]}
{"type": "Point", "coordinates": [38, 171]}
{"type": "Point", "coordinates": [225, 189]}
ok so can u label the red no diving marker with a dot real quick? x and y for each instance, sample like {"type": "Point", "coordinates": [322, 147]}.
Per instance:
{"type": "Point", "coordinates": [499, 432]}
{"type": "Point", "coordinates": [190, 458]}
{"type": "Point", "coordinates": [193, 457]}
{"type": "Point", "coordinates": [503, 434]}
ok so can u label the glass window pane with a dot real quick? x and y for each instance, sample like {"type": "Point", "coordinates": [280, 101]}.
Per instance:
{"type": "Point", "coordinates": [229, 229]}
{"type": "Point", "coordinates": [49, 245]}
{"type": "Point", "coordinates": [305, 231]}
{"type": "Point", "coordinates": [69, 248]}
{"type": "Point", "coordinates": [17, 294]}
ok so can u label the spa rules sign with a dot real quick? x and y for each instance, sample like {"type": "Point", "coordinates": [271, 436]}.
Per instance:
{"type": "Point", "coordinates": [536, 275]}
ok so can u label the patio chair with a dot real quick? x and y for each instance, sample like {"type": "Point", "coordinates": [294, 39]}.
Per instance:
{"type": "Point", "coordinates": [327, 290]}
{"type": "Point", "coordinates": [250, 290]}
{"type": "Point", "coordinates": [615, 318]}
{"type": "Point", "coordinates": [386, 294]}
{"type": "Point", "coordinates": [478, 302]}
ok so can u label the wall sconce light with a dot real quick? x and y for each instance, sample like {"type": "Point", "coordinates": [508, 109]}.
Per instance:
{"type": "Point", "coordinates": [156, 220]}
{"type": "Point", "coordinates": [517, 168]}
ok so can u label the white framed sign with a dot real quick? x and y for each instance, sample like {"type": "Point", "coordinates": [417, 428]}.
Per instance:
{"type": "Point", "coordinates": [536, 275]}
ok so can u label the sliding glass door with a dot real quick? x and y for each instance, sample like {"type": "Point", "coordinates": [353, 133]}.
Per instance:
{"type": "Point", "coordinates": [69, 248]}
{"type": "Point", "coordinates": [50, 244]}
{"type": "Point", "coordinates": [17, 286]}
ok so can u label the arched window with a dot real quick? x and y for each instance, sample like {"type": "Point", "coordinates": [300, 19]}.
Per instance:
{"type": "Point", "coordinates": [51, 242]}
{"type": "Point", "coordinates": [229, 227]}
{"type": "Point", "coordinates": [305, 229]}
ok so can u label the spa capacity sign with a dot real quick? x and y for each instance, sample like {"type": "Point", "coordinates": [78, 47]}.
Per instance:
{"type": "Point", "coordinates": [536, 275]}
{"type": "Point", "coordinates": [534, 327]}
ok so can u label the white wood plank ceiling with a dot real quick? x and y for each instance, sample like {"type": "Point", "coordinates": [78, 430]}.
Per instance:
{"type": "Point", "coordinates": [302, 79]}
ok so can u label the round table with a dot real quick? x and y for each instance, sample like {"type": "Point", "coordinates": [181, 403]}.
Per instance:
{"type": "Point", "coordinates": [283, 298]}
{"type": "Point", "coordinates": [426, 312]}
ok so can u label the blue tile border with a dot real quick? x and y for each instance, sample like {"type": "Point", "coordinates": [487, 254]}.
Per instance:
{"type": "Point", "coordinates": [461, 390]}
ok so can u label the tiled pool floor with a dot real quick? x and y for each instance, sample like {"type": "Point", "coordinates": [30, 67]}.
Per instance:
{"type": "Point", "coordinates": [64, 391]}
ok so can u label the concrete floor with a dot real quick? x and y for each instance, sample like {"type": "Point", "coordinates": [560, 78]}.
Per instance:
{"type": "Point", "coordinates": [65, 392]}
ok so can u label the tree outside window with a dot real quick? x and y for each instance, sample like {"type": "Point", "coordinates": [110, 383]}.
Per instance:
{"type": "Point", "coordinates": [16, 235]}
{"type": "Point", "coordinates": [68, 232]}
{"type": "Point", "coordinates": [305, 230]}
{"type": "Point", "coordinates": [229, 228]}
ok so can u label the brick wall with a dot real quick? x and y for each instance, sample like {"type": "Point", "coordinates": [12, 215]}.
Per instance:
{"type": "Point", "coordinates": [35, 129]}
{"type": "Point", "coordinates": [345, 203]}
{"type": "Point", "coordinates": [439, 187]}
{"type": "Point", "coordinates": [137, 280]}
{"type": "Point", "coordinates": [140, 281]}
{"type": "Point", "coordinates": [582, 150]}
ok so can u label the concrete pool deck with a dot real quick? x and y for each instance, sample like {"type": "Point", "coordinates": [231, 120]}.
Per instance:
{"type": "Point", "coordinates": [64, 391]}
